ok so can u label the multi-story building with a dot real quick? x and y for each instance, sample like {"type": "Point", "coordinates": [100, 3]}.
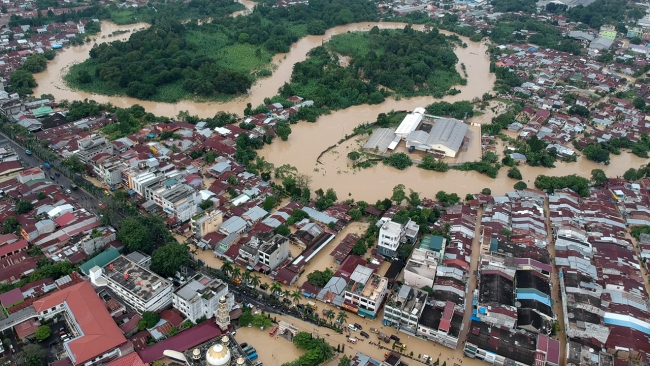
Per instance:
{"type": "Point", "coordinates": [92, 145]}
{"type": "Point", "coordinates": [441, 324]}
{"type": "Point", "coordinates": [206, 222]}
{"type": "Point", "coordinates": [391, 235]}
{"type": "Point", "coordinates": [140, 182]}
{"type": "Point", "coordinates": [273, 252]}
{"type": "Point", "coordinates": [200, 298]}
{"type": "Point", "coordinates": [421, 268]}
{"type": "Point", "coordinates": [181, 200]}
{"type": "Point", "coordinates": [365, 292]}
{"type": "Point", "coordinates": [136, 285]}
{"type": "Point", "coordinates": [265, 251]}
{"type": "Point", "coordinates": [403, 308]}
{"type": "Point", "coordinates": [109, 169]}
{"type": "Point", "coordinates": [96, 337]}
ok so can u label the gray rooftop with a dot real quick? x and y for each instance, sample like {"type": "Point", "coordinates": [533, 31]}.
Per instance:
{"type": "Point", "coordinates": [448, 132]}
{"type": "Point", "coordinates": [380, 139]}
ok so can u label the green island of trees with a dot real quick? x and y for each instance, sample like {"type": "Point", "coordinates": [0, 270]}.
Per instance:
{"type": "Point", "coordinates": [405, 62]}
{"type": "Point", "coordinates": [216, 60]}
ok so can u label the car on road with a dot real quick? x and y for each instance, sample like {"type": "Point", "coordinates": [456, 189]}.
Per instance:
{"type": "Point", "coordinates": [73, 186]}
{"type": "Point", "coordinates": [28, 152]}
{"type": "Point", "coordinates": [358, 326]}
{"type": "Point", "coordinates": [67, 191]}
{"type": "Point", "coordinates": [364, 334]}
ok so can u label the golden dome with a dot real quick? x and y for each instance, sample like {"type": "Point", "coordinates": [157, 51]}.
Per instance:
{"type": "Point", "coordinates": [217, 355]}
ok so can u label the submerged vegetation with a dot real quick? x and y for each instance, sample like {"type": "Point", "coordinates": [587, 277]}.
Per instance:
{"type": "Point", "coordinates": [404, 62]}
{"type": "Point", "coordinates": [171, 61]}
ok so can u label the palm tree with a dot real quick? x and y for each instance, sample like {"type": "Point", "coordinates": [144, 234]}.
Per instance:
{"type": "Point", "coordinates": [226, 268]}
{"type": "Point", "coordinates": [236, 272]}
{"type": "Point", "coordinates": [276, 287]}
{"type": "Point", "coordinates": [329, 314]}
{"type": "Point", "coordinates": [255, 280]}
{"type": "Point", "coordinates": [342, 317]}
{"type": "Point", "coordinates": [296, 296]}
{"type": "Point", "coordinates": [286, 293]}
{"type": "Point", "coordinates": [246, 277]}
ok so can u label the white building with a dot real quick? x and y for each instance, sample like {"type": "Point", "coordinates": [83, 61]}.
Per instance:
{"type": "Point", "coordinates": [410, 123]}
{"type": "Point", "coordinates": [391, 235]}
{"type": "Point", "coordinates": [30, 174]}
{"type": "Point", "coordinates": [446, 137]}
{"type": "Point", "coordinates": [365, 292]}
{"type": "Point", "coordinates": [109, 169]}
{"type": "Point", "coordinates": [421, 269]}
{"type": "Point", "coordinates": [136, 285]}
{"type": "Point", "coordinates": [181, 200]}
{"type": "Point", "coordinates": [200, 298]}
{"type": "Point", "coordinates": [92, 145]}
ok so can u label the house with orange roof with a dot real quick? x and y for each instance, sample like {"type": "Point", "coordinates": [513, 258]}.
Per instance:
{"type": "Point", "coordinates": [95, 336]}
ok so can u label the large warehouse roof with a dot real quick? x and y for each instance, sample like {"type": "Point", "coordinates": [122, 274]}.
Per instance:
{"type": "Point", "coordinates": [380, 139]}
{"type": "Point", "coordinates": [409, 124]}
{"type": "Point", "coordinates": [448, 132]}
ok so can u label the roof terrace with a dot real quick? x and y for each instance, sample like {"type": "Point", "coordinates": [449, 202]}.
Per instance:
{"type": "Point", "coordinates": [135, 279]}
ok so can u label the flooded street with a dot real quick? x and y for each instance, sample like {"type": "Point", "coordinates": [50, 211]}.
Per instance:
{"type": "Point", "coordinates": [276, 351]}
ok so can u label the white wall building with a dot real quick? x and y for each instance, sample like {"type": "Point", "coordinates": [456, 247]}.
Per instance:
{"type": "Point", "coordinates": [365, 292]}
{"type": "Point", "coordinates": [391, 235]}
{"type": "Point", "coordinates": [136, 285]}
{"type": "Point", "coordinates": [200, 298]}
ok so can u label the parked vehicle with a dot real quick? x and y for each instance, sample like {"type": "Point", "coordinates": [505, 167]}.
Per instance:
{"type": "Point", "coordinates": [358, 326]}
{"type": "Point", "coordinates": [243, 345]}
{"type": "Point", "coordinates": [273, 331]}
{"type": "Point", "coordinates": [237, 281]}
{"type": "Point", "coordinates": [394, 337]}
{"type": "Point", "coordinates": [399, 345]}
{"type": "Point", "coordinates": [74, 187]}
{"type": "Point", "coordinates": [374, 330]}
{"type": "Point", "coordinates": [364, 334]}
{"type": "Point", "coordinates": [28, 152]}
{"type": "Point", "coordinates": [383, 337]}
{"type": "Point", "coordinates": [411, 148]}
{"type": "Point", "coordinates": [352, 327]}
{"type": "Point", "coordinates": [352, 340]}
{"type": "Point", "coordinates": [312, 305]}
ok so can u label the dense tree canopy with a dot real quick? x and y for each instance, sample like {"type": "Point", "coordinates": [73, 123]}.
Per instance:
{"type": "Point", "coordinates": [172, 61]}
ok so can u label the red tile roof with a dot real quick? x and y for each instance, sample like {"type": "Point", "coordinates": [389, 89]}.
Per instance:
{"type": "Point", "coordinates": [447, 314]}
{"type": "Point", "coordinates": [172, 316]}
{"type": "Point", "coordinates": [132, 359]}
{"type": "Point", "coordinates": [10, 248]}
{"type": "Point", "coordinates": [11, 297]}
{"type": "Point", "coordinates": [182, 341]}
{"type": "Point", "coordinates": [100, 333]}
{"type": "Point", "coordinates": [64, 219]}
{"type": "Point", "coordinates": [27, 328]}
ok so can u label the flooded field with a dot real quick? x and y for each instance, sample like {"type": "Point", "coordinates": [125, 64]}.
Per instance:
{"type": "Point", "coordinates": [308, 140]}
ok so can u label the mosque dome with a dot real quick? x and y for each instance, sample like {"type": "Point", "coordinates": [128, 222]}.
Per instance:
{"type": "Point", "coordinates": [218, 355]}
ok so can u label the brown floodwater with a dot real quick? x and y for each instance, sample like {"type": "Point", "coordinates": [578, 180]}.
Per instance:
{"type": "Point", "coordinates": [308, 140]}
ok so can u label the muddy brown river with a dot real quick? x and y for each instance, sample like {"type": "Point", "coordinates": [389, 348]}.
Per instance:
{"type": "Point", "coordinates": [308, 140]}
